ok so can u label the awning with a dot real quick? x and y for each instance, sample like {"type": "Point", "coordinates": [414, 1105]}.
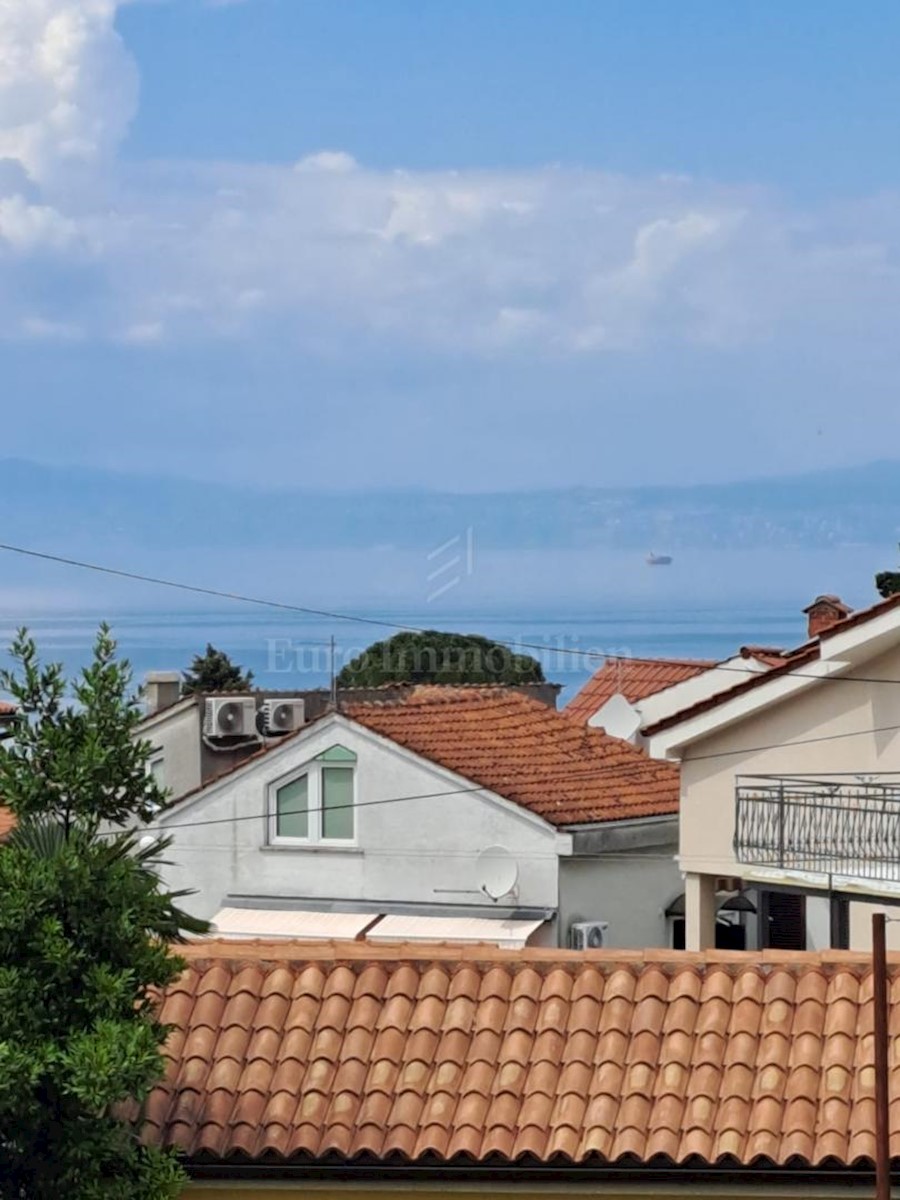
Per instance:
{"type": "Point", "coordinates": [740, 902]}
{"type": "Point", "coordinates": [508, 934]}
{"type": "Point", "coordinates": [290, 923]}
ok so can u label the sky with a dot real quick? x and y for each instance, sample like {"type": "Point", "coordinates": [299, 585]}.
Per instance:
{"type": "Point", "coordinates": [473, 246]}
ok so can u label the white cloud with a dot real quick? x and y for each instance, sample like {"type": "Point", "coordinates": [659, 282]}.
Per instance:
{"type": "Point", "coordinates": [48, 330]}
{"type": "Point", "coordinates": [565, 262]}
{"type": "Point", "coordinates": [571, 262]}
{"type": "Point", "coordinates": [68, 86]}
{"type": "Point", "coordinates": [327, 160]}
{"type": "Point", "coordinates": [143, 333]}
{"type": "Point", "coordinates": [27, 227]}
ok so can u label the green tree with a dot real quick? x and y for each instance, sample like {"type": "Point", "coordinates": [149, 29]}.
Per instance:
{"type": "Point", "coordinates": [435, 657]}
{"type": "Point", "coordinates": [214, 671]}
{"type": "Point", "coordinates": [887, 583]}
{"type": "Point", "coordinates": [85, 935]}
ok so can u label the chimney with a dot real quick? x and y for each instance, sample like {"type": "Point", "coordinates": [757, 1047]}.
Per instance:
{"type": "Point", "coordinates": [824, 612]}
{"type": "Point", "coordinates": [161, 690]}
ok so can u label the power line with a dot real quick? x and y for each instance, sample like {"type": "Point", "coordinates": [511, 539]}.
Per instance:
{"type": "Point", "coordinates": [614, 771]}
{"type": "Point", "coordinates": [573, 777]}
{"type": "Point", "coordinates": [827, 737]}
{"type": "Point", "coordinates": [383, 623]}
{"type": "Point", "coordinates": [263, 816]}
{"type": "Point", "coordinates": [199, 590]}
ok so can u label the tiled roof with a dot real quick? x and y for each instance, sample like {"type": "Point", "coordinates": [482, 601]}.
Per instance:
{"type": "Point", "coordinates": [769, 656]}
{"type": "Point", "coordinates": [295, 1052]}
{"type": "Point", "coordinates": [806, 653]}
{"type": "Point", "coordinates": [801, 657]}
{"type": "Point", "coordinates": [6, 709]}
{"type": "Point", "coordinates": [634, 678]}
{"type": "Point", "coordinates": [528, 753]}
{"type": "Point", "coordinates": [862, 615]}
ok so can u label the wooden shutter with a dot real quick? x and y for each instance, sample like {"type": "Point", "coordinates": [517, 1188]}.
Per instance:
{"type": "Point", "coordinates": [784, 914]}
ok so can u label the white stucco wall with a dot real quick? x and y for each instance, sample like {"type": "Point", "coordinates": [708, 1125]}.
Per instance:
{"type": "Point", "coordinates": [421, 851]}
{"type": "Point", "coordinates": [630, 891]}
{"type": "Point", "coordinates": [174, 734]}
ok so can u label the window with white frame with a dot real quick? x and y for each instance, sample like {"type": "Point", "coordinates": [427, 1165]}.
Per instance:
{"type": "Point", "coordinates": [316, 804]}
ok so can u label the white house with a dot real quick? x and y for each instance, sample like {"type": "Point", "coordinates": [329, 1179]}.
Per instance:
{"type": "Point", "coordinates": [790, 783]}
{"type": "Point", "coordinates": [463, 813]}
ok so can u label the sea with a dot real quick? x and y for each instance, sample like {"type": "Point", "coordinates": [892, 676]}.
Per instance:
{"type": "Point", "coordinates": [569, 610]}
{"type": "Point", "coordinates": [287, 651]}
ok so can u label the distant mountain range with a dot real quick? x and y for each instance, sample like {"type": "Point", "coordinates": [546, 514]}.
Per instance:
{"type": "Point", "coordinates": [76, 508]}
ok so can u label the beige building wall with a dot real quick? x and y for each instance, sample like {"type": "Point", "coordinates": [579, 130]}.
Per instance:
{"type": "Point", "coordinates": [841, 726]}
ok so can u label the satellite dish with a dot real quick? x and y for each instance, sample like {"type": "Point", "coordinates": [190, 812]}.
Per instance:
{"type": "Point", "coordinates": [498, 872]}
{"type": "Point", "coordinates": [618, 718]}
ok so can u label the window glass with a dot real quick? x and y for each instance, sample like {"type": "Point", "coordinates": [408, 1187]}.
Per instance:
{"type": "Point", "coordinates": [337, 802]}
{"type": "Point", "coordinates": [292, 809]}
{"type": "Point", "coordinates": [336, 754]}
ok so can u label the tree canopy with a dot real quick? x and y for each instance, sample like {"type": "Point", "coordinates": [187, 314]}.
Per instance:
{"type": "Point", "coordinates": [431, 656]}
{"type": "Point", "coordinates": [887, 583]}
{"type": "Point", "coordinates": [85, 934]}
{"type": "Point", "coordinates": [213, 671]}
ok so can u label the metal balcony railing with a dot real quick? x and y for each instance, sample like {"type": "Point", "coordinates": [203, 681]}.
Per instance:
{"type": "Point", "coordinates": [844, 825]}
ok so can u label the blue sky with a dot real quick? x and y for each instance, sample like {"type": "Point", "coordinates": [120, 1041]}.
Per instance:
{"type": "Point", "coordinates": [471, 245]}
{"type": "Point", "coordinates": [799, 95]}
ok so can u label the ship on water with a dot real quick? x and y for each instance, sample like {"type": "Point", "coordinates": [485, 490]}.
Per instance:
{"type": "Point", "coordinates": [658, 560]}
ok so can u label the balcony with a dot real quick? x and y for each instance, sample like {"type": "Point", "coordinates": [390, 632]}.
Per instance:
{"type": "Point", "coordinates": [846, 826]}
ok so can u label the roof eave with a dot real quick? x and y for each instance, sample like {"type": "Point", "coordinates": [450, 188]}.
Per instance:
{"type": "Point", "coordinates": [668, 737]}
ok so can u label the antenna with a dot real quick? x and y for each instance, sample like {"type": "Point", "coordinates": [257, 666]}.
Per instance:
{"type": "Point", "coordinates": [497, 873]}
{"type": "Point", "coordinates": [334, 694]}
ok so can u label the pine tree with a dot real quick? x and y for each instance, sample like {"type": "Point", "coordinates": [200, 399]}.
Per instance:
{"type": "Point", "coordinates": [85, 934]}
{"type": "Point", "coordinates": [214, 671]}
{"type": "Point", "coordinates": [435, 657]}
{"type": "Point", "coordinates": [887, 583]}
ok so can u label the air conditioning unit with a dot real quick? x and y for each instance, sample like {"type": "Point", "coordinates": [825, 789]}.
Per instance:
{"type": "Point", "coordinates": [283, 716]}
{"type": "Point", "coordinates": [587, 935]}
{"type": "Point", "coordinates": [233, 716]}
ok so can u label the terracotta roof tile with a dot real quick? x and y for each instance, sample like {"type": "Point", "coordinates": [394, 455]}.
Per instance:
{"type": "Point", "coordinates": [7, 822]}
{"type": "Point", "coordinates": [633, 678]}
{"type": "Point", "coordinates": [548, 1054]}
{"type": "Point", "coordinates": [528, 753]}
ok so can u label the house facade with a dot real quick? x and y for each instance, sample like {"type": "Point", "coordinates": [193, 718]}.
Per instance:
{"type": "Point", "coordinates": [790, 782]}
{"type": "Point", "coordinates": [468, 813]}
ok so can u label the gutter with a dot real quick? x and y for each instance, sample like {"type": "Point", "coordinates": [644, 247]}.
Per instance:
{"type": "Point", "coordinates": [636, 1177]}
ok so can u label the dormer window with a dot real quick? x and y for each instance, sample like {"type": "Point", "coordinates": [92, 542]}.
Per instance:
{"type": "Point", "coordinates": [315, 805]}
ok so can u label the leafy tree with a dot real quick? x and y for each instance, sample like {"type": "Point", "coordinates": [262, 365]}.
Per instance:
{"type": "Point", "coordinates": [85, 931]}
{"type": "Point", "coordinates": [887, 583]}
{"type": "Point", "coordinates": [215, 672]}
{"type": "Point", "coordinates": [435, 657]}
